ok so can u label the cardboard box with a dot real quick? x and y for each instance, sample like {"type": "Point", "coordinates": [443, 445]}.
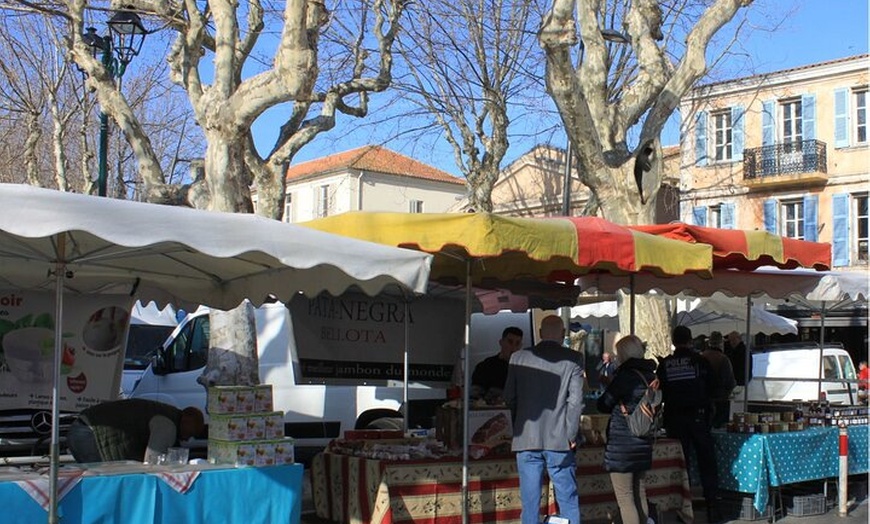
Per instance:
{"type": "Point", "coordinates": [245, 426]}
{"type": "Point", "coordinates": [239, 399]}
{"type": "Point", "coordinates": [252, 452]}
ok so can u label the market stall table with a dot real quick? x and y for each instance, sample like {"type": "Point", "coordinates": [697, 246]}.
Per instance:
{"type": "Point", "coordinates": [753, 463]}
{"type": "Point", "coordinates": [359, 490]}
{"type": "Point", "coordinates": [119, 492]}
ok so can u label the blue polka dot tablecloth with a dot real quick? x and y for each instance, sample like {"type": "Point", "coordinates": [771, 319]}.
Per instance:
{"type": "Point", "coordinates": [752, 463]}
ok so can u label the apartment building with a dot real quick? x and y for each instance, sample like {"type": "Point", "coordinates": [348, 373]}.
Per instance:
{"type": "Point", "coordinates": [370, 178]}
{"type": "Point", "coordinates": [786, 152]}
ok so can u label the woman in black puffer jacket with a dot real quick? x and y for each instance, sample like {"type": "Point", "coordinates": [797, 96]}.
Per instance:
{"type": "Point", "coordinates": [627, 457]}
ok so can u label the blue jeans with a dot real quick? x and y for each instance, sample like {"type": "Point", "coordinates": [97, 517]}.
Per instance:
{"type": "Point", "coordinates": [561, 469]}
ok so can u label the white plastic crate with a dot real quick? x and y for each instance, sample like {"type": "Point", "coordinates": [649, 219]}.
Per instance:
{"type": "Point", "coordinates": [806, 505]}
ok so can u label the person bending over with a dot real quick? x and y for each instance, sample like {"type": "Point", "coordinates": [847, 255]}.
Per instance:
{"type": "Point", "coordinates": [131, 429]}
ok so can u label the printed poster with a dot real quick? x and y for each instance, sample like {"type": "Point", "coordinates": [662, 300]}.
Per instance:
{"type": "Point", "coordinates": [355, 339]}
{"type": "Point", "coordinates": [94, 337]}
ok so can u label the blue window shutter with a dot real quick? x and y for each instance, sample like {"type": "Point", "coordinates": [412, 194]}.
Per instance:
{"type": "Point", "coordinates": [699, 215]}
{"type": "Point", "coordinates": [808, 107]}
{"type": "Point", "coordinates": [770, 216]}
{"type": "Point", "coordinates": [811, 218]}
{"type": "Point", "coordinates": [727, 215]}
{"type": "Point", "coordinates": [841, 118]}
{"type": "Point", "coordinates": [767, 122]}
{"type": "Point", "coordinates": [768, 138]}
{"type": "Point", "coordinates": [840, 244]}
{"type": "Point", "coordinates": [701, 138]}
{"type": "Point", "coordinates": [737, 132]}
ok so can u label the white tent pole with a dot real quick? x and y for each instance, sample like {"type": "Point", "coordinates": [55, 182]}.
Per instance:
{"type": "Point", "coordinates": [466, 386]}
{"type": "Point", "coordinates": [747, 360]}
{"type": "Point", "coordinates": [406, 371]}
{"type": "Point", "coordinates": [59, 274]}
{"type": "Point", "coordinates": [631, 289]}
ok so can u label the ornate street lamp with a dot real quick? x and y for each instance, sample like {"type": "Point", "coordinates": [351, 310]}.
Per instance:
{"type": "Point", "coordinates": [117, 49]}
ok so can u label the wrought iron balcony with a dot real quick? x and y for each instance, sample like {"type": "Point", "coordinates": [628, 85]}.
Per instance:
{"type": "Point", "coordinates": [794, 158]}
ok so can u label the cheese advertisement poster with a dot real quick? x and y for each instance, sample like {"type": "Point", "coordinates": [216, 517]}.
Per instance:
{"type": "Point", "coordinates": [93, 339]}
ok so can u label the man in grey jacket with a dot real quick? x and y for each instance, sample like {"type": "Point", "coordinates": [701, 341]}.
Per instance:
{"type": "Point", "coordinates": [544, 391]}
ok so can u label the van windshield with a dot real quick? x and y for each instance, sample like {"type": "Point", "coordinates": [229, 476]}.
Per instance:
{"type": "Point", "coordinates": [142, 341]}
{"type": "Point", "coordinates": [848, 368]}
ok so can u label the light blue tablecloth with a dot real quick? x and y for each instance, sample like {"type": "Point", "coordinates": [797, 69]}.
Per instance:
{"type": "Point", "coordinates": [264, 495]}
{"type": "Point", "coordinates": [752, 463]}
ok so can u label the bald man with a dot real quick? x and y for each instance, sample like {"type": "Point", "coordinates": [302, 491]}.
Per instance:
{"type": "Point", "coordinates": [544, 390]}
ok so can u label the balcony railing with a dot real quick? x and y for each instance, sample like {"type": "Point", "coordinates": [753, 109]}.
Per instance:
{"type": "Point", "coordinates": [809, 156]}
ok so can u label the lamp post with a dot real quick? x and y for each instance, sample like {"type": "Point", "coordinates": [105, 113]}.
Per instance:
{"type": "Point", "coordinates": [117, 49]}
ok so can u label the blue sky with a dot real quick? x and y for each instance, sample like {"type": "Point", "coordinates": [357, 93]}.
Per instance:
{"type": "Point", "coordinates": [780, 34]}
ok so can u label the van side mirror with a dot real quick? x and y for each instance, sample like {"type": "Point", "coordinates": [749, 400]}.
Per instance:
{"type": "Point", "coordinates": [158, 363]}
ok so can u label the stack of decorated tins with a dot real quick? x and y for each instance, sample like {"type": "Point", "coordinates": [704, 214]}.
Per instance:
{"type": "Point", "coordinates": [849, 415]}
{"type": "Point", "coordinates": [776, 422]}
{"type": "Point", "coordinates": [244, 429]}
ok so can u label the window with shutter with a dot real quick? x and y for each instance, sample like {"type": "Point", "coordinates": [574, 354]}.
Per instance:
{"type": "Point", "coordinates": [701, 138]}
{"type": "Point", "coordinates": [699, 215]}
{"type": "Point", "coordinates": [792, 221]}
{"type": "Point", "coordinates": [840, 233]}
{"type": "Point", "coordinates": [841, 118]}
{"type": "Point", "coordinates": [862, 228]}
{"type": "Point", "coordinates": [770, 216]}
{"type": "Point", "coordinates": [722, 137]}
{"type": "Point", "coordinates": [811, 218]}
{"type": "Point", "coordinates": [727, 215]}
{"type": "Point", "coordinates": [768, 138]}
{"type": "Point", "coordinates": [737, 133]}
{"type": "Point", "coordinates": [323, 201]}
{"type": "Point", "coordinates": [860, 98]}
{"type": "Point", "coordinates": [288, 207]}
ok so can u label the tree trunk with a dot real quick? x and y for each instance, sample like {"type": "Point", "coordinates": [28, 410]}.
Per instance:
{"type": "Point", "coordinates": [620, 203]}
{"type": "Point", "coordinates": [231, 330]}
{"type": "Point", "coordinates": [232, 354]}
{"type": "Point", "coordinates": [31, 166]}
{"type": "Point", "coordinates": [57, 136]}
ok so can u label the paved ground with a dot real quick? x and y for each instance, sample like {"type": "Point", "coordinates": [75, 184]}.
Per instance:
{"type": "Point", "coordinates": [857, 513]}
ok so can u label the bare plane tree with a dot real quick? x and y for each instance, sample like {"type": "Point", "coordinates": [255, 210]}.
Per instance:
{"type": "Point", "coordinates": [230, 82]}
{"type": "Point", "coordinates": [471, 65]}
{"type": "Point", "coordinates": [604, 91]}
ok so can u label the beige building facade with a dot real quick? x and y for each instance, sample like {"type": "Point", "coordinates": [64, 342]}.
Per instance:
{"type": "Point", "coordinates": [370, 178]}
{"type": "Point", "coordinates": [786, 152]}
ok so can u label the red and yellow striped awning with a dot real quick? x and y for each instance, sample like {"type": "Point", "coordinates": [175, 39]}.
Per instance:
{"type": "Point", "coordinates": [509, 248]}
{"type": "Point", "coordinates": [747, 250]}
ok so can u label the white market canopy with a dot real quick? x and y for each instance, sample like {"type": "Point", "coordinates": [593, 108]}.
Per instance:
{"type": "Point", "coordinates": [181, 255]}
{"type": "Point", "coordinates": [724, 314]}
{"type": "Point", "coordinates": [718, 313]}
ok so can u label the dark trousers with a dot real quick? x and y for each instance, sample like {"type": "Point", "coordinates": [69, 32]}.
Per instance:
{"type": "Point", "coordinates": [692, 428]}
{"type": "Point", "coordinates": [81, 442]}
{"type": "Point", "coordinates": [721, 413]}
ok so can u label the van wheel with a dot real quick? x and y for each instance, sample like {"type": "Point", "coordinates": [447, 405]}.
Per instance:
{"type": "Point", "coordinates": [367, 418]}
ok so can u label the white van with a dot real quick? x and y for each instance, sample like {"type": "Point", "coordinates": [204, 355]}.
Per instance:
{"type": "Point", "coordinates": [149, 327]}
{"type": "Point", "coordinates": [313, 413]}
{"type": "Point", "coordinates": [791, 372]}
